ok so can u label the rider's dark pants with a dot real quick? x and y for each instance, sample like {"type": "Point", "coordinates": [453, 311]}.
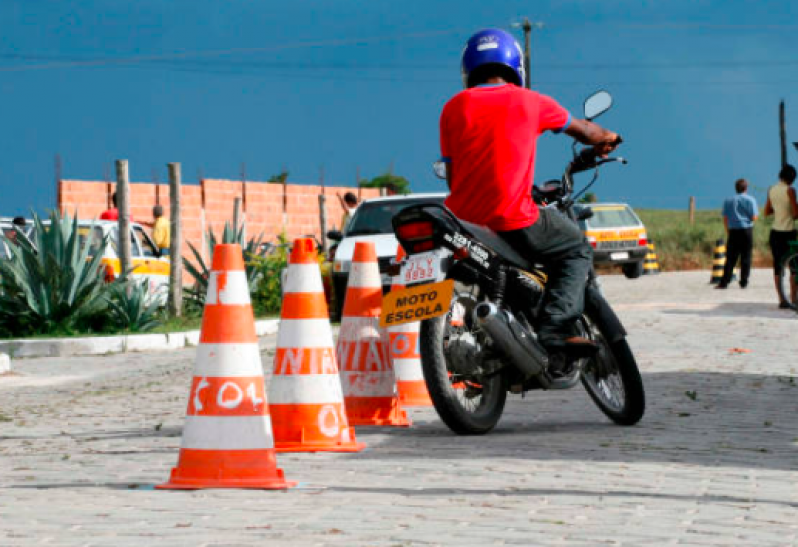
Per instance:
{"type": "Point", "coordinates": [557, 243]}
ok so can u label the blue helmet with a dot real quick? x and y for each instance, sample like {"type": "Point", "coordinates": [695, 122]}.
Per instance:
{"type": "Point", "coordinates": [493, 47]}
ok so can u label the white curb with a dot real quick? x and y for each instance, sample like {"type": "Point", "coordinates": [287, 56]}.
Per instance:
{"type": "Point", "coordinates": [5, 363]}
{"type": "Point", "coordinates": [100, 345]}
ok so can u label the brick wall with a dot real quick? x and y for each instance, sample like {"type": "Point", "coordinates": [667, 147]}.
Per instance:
{"type": "Point", "coordinates": [210, 204]}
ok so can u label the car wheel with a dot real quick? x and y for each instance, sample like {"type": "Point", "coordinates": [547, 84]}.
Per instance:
{"type": "Point", "coordinates": [633, 270]}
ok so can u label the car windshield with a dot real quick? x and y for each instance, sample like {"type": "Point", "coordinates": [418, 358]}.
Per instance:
{"type": "Point", "coordinates": [92, 234]}
{"type": "Point", "coordinates": [612, 216]}
{"type": "Point", "coordinates": [375, 217]}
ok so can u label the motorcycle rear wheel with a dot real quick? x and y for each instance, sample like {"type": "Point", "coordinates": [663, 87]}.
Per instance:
{"type": "Point", "coordinates": [612, 379]}
{"type": "Point", "coordinates": [467, 405]}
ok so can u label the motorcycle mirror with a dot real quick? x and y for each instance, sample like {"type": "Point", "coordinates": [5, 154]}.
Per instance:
{"type": "Point", "coordinates": [335, 235]}
{"type": "Point", "coordinates": [585, 214]}
{"type": "Point", "coordinates": [439, 168]}
{"type": "Point", "coordinates": [597, 104]}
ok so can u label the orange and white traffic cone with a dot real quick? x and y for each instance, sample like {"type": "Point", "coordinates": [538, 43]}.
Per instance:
{"type": "Point", "coordinates": [305, 397]}
{"type": "Point", "coordinates": [405, 358]}
{"type": "Point", "coordinates": [227, 437]}
{"type": "Point", "coordinates": [363, 348]}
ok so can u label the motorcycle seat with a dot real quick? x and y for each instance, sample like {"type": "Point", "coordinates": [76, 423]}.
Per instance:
{"type": "Point", "coordinates": [492, 240]}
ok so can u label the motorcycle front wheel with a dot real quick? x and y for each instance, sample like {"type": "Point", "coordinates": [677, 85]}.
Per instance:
{"type": "Point", "coordinates": [467, 404]}
{"type": "Point", "coordinates": [612, 378]}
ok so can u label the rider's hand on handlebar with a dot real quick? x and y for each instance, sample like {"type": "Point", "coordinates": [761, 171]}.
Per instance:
{"type": "Point", "coordinates": [611, 143]}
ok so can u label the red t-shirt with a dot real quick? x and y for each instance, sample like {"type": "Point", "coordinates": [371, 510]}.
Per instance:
{"type": "Point", "coordinates": [110, 214]}
{"type": "Point", "coordinates": [488, 136]}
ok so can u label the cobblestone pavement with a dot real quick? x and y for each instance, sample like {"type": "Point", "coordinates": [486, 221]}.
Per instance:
{"type": "Point", "coordinates": [83, 441]}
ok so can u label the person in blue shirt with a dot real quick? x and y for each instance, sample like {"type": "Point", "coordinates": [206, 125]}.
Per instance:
{"type": "Point", "coordinates": [739, 215]}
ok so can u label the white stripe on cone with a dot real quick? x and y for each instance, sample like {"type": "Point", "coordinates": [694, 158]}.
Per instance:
{"type": "Point", "coordinates": [365, 368]}
{"type": "Point", "coordinates": [364, 275]}
{"type": "Point", "coordinates": [359, 328]}
{"type": "Point", "coordinates": [227, 433]}
{"type": "Point", "coordinates": [303, 278]}
{"type": "Point", "coordinates": [228, 360]}
{"type": "Point", "coordinates": [299, 333]}
{"type": "Point", "coordinates": [235, 291]}
{"type": "Point", "coordinates": [305, 389]}
{"type": "Point", "coordinates": [407, 370]}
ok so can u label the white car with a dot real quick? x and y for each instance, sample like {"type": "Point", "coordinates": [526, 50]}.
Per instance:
{"type": "Point", "coordinates": [372, 222]}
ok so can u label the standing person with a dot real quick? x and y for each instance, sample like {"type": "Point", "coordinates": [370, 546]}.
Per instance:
{"type": "Point", "coordinates": [161, 230]}
{"type": "Point", "coordinates": [349, 204]}
{"type": "Point", "coordinates": [113, 212]}
{"type": "Point", "coordinates": [488, 135]}
{"type": "Point", "coordinates": [739, 215]}
{"type": "Point", "coordinates": [782, 205]}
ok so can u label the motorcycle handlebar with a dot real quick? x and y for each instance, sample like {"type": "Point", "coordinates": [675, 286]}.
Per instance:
{"type": "Point", "coordinates": [586, 159]}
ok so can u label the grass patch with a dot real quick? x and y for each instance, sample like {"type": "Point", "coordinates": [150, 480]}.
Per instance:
{"type": "Point", "coordinates": [681, 246]}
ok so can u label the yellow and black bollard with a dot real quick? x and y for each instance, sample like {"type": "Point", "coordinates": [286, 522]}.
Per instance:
{"type": "Point", "coordinates": [718, 262]}
{"type": "Point", "coordinates": [650, 264]}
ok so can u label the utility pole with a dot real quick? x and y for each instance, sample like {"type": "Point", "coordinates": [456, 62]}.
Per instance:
{"type": "Point", "coordinates": [526, 25]}
{"type": "Point", "coordinates": [323, 211]}
{"type": "Point", "coordinates": [782, 134]}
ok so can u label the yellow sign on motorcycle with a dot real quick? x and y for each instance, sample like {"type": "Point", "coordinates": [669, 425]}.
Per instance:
{"type": "Point", "coordinates": [416, 303]}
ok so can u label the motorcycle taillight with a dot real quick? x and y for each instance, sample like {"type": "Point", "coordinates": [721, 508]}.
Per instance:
{"type": "Point", "coordinates": [423, 246]}
{"type": "Point", "coordinates": [415, 230]}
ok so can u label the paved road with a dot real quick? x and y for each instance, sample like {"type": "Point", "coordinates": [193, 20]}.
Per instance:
{"type": "Point", "coordinates": [83, 440]}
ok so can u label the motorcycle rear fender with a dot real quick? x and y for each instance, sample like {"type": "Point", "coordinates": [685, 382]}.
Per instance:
{"type": "Point", "coordinates": [447, 234]}
{"type": "Point", "coordinates": [600, 311]}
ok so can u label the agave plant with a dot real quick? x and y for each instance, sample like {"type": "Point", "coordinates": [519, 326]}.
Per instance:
{"type": "Point", "coordinates": [50, 284]}
{"type": "Point", "coordinates": [130, 307]}
{"type": "Point", "coordinates": [200, 270]}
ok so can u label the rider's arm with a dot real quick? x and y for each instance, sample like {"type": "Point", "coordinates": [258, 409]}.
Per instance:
{"type": "Point", "coordinates": [588, 132]}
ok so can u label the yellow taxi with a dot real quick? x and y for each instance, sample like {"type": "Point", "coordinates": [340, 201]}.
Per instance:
{"type": "Point", "coordinates": [617, 236]}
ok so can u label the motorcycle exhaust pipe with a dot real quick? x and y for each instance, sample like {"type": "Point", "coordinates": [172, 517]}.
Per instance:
{"type": "Point", "coordinates": [512, 338]}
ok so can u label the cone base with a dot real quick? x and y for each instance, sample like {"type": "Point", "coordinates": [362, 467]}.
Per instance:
{"type": "Point", "coordinates": [201, 468]}
{"type": "Point", "coordinates": [416, 400]}
{"type": "Point", "coordinates": [413, 394]}
{"type": "Point", "coordinates": [382, 411]}
{"type": "Point", "coordinates": [188, 484]}
{"type": "Point", "coordinates": [309, 447]}
{"type": "Point", "coordinates": [384, 423]}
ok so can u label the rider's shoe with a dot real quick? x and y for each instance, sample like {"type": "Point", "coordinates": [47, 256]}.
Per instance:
{"type": "Point", "coordinates": [572, 346]}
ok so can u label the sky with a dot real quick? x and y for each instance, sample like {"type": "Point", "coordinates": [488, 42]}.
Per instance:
{"type": "Point", "coordinates": [357, 86]}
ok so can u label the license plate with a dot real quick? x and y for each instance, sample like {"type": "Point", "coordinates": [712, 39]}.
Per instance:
{"type": "Point", "coordinates": [619, 256]}
{"type": "Point", "coordinates": [416, 303]}
{"type": "Point", "coordinates": [421, 268]}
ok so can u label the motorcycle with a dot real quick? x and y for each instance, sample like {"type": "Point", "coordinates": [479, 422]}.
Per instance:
{"type": "Point", "coordinates": [479, 301]}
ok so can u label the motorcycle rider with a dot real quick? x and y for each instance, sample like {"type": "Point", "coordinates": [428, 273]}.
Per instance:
{"type": "Point", "coordinates": [488, 135]}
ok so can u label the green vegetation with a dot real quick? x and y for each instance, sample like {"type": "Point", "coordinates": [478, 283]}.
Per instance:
{"type": "Point", "coordinates": [267, 295]}
{"type": "Point", "coordinates": [130, 308]}
{"type": "Point", "coordinates": [55, 285]}
{"type": "Point", "coordinates": [399, 185]}
{"type": "Point", "coordinates": [201, 270]}
{"type": "Point", "coordinates": [280, 178]}
{"type": "Point", "coordinates": [51, 285]}
{"type": "Point", "coordinates": [680, 246]}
